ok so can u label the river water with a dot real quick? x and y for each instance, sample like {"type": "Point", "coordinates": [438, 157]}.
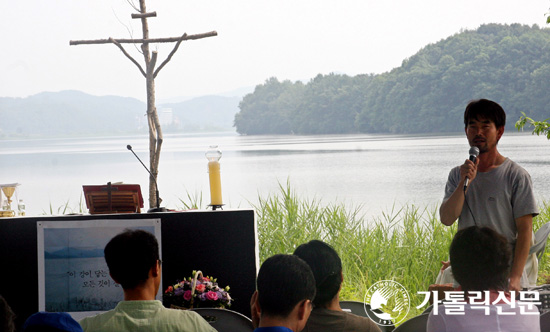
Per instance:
{"type": "Point", "coordinates": [375, 171]}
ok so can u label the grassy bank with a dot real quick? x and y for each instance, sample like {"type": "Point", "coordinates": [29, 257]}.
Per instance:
{"type": "Point", "coordinates": [405, 245]}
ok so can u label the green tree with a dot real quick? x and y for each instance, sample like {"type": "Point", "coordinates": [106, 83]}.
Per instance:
{"type": "Point", "coordinates": [268, 109]}
{"type": "Point", "coordinates": [330, 104]}
{"type": "Point", "coordinates": [539, 127]}
{"type": "Point", "coordinates": [426, 94]}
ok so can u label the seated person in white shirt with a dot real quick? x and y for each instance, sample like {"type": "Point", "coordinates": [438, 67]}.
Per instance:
{"type": "Point", "coordinates": [481, 260]}
{"type": "Point", "coordinates": [133, 260]}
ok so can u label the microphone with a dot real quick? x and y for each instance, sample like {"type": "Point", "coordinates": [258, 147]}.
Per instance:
{"type": "Point", "coordinates": [158, 208]}
{"type": "Point", "coordinates": [474, 152]}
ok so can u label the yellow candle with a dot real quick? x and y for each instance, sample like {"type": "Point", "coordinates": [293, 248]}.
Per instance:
{"type": "Point", "coordinates": [215, 183]}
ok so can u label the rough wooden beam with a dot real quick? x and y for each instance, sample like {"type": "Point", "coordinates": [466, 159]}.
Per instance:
{"type": "Point", "coordinates": [129, 56]}
{"type": "Point", "coordinates": [145, 41]}
{"type": "Point", "coordinates": [144, 15]}
{"type": "Point", "coordinates": [169, 57]}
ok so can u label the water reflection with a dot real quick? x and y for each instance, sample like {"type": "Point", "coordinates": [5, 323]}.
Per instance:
{"type": "Point", "coordinates": [376, 171]}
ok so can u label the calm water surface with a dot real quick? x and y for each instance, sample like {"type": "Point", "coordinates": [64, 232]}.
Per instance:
{"type": "Point", "coordinates": [375, 171]}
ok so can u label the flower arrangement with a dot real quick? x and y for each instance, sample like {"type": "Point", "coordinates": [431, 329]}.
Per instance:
{"type": "Point", "coordinates": [197, 292]}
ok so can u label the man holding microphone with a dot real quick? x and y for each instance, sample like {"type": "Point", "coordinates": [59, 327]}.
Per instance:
{"type": "Point", "coordinates": [492, 190]}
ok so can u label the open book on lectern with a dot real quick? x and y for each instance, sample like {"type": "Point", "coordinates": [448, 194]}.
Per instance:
{"type": "Point", "coordinates": [113, 198]}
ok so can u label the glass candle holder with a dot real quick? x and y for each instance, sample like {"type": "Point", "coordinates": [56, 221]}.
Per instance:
{"type": "Point", "coordinates": [213, 154]}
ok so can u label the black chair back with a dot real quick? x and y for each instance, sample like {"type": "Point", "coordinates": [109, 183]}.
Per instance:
{"type": "Point", "coordinates": [360, 309]}
{"type": "Point", "coordinates": [415, 324]}
{"type": "Point", "coordinates": [224, 320]}
{"type": "Point", "coordinates": [545, 321]}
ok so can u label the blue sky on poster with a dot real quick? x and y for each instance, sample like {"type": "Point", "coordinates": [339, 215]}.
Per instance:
{"type": "Point", "coordinates": [90, 238]}
{"type": "Point", "coordinates": [91, 234]}
{"type": "Point", "coordinates": [257, 39]}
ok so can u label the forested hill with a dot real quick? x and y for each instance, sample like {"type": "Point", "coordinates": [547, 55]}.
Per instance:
{"type": "Point", "coordinates": [426, 94]}
{"type": "Point", "coordinates": [75, 113]}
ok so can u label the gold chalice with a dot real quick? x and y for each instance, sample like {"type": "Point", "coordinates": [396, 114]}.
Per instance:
{"type": "Point", "coordinates": [8, 190]}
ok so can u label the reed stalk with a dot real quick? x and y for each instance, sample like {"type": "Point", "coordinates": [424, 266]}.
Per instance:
{"type": "Point", "coordinates": [406, 244]}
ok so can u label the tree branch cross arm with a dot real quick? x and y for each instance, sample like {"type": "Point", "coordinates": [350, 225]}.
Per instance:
{"type": "Point", "coordinates": [185, 36]}
{"type": "Point", "coordinates": [169, 57]}
{"type": "Point", "coordinates": [182, 38]}
{"type": "Point", "coordinates": [119, 42]}
{"type": "Point", "coordinates": [128, 56]}
{"type": "Point", "coordinates": [144, 15]}
{"type": "Point", "coordinates": [145, 41]}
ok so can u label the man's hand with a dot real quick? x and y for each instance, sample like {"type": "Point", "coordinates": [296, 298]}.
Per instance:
{"type": "Point", "coordinates": [445, 265]}
{"type": "Point", "coordinates": [450, 209]}
{"type": "Point", "coordinates": [524, 226]}
{"type": "Point", "coordinates": [469, 170]}
{"type": "Point", "coordinates": [514, 284]}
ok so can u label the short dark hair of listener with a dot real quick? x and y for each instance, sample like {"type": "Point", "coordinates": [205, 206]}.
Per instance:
{"type": "Point", "coordinates": [326, 267]}
{"type": "Point", "coordinates": [7, 316]}
{"type": "Point", "coordinates": [481, 259]}
{"type": "Point", "coordinates": [283, 282]}
{"type": "Point", "coordinates": [130, 256]}
{"type": "Point", "coordinates": [485, 109]}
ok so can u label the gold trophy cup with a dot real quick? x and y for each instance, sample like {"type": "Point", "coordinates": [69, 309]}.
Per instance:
{"type": "Point", "coordinates": [8, 190]}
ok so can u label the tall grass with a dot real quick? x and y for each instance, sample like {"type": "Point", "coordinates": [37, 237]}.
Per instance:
{"type": "Point", "coordinates": [193, 201]}
{"type": "Point", "coordinates": [544, 262]}
{"type": "Point", "coordinates": [406, 245]}
{"type": "Point", "coordinates": [67, 208]}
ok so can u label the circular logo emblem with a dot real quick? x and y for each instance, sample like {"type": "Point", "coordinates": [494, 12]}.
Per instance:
{"type": "Point", "coordinates": [389, 302]}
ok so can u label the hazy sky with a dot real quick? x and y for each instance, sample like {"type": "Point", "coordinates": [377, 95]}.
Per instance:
{"type": "Point", "coordinates": [257, 39]}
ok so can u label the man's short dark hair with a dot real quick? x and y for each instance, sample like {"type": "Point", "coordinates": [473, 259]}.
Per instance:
{"type": "Point", "coordinates": [481, 259]}
{"type": "Point", "coordinates": [130, 256]}
{"type": "Point", "coordinates": [327, 269]}
{"type": "Point", "coordinates": [485, 109]}
{"type": "Point", "coordinates": [282, 283]}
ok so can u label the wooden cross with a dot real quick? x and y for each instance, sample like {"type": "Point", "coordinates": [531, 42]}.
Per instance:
{"type": "Point", "coordinates": [150, 72]}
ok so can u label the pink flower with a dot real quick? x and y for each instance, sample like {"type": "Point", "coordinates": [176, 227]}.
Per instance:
{"type": "Point", "coordinates": [211, 296]}
{"type": "Point", "coordinates": [170, 289]}
{"type": "Point", "coordinates": [200, 288]}
{"type": "Point", "coordinates": [187, 295]}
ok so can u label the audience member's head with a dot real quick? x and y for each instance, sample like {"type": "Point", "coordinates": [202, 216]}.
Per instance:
{"type": "Point", "coordinates": [51, 322]}
{"type": "Point", "coordinates": [285, 289]}
{"type": "Point", "coordinates": [326, 267]}
{"type": "Point", "coordinates": [130, 256]}
{"type": "Point", "coordinates": [484, 109]}
{"type": "Point", "coordinates": [480, 258]}
{"type": "Point", "coordinates": [6, 316]}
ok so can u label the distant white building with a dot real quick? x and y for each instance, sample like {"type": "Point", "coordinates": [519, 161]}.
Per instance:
{"type": "Point", "coordinates": [141, 122]}
{"type": "Point", "coordinates": [166, 116]}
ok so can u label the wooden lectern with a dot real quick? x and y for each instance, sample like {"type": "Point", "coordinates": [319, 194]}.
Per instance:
{"type": "Point", "coordinates": [113, 198]}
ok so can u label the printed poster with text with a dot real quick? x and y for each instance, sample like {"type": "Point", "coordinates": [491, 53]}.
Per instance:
{"type": "Point", "coordinates": [72, 273]}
